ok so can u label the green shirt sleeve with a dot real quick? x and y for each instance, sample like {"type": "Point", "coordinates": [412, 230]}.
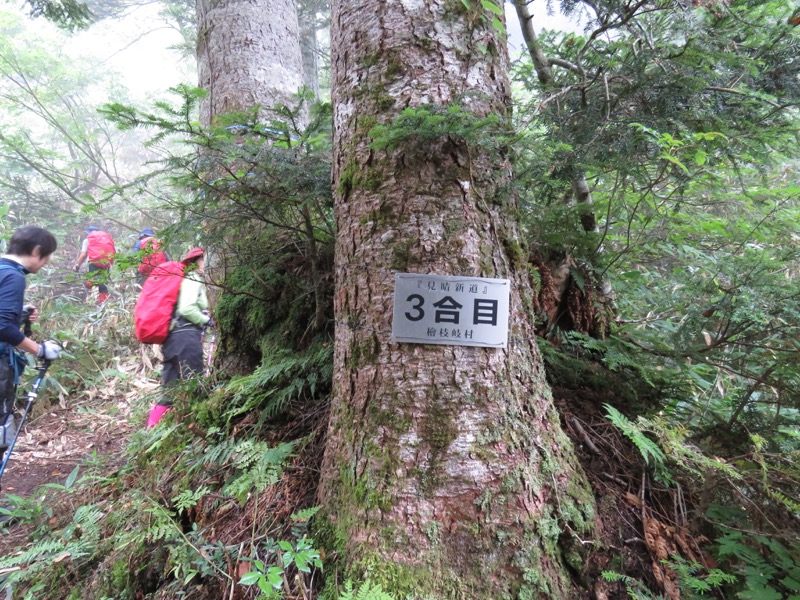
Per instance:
{"type": "Point", "coordinates": [192, 300]}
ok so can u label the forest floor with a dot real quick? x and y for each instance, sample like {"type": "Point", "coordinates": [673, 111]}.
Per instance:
{"type": "Point", "coordinates": [54, 443]}
{"type": "Point", "coordinates": [95, 428]}
{"type": "Point", "coordinates": [62, 434]}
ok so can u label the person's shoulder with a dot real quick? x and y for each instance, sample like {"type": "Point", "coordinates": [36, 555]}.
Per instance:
{"type": "Point", "coordinates": [11, 273]}
{"type": "Point", "coordinates": [10, 266]}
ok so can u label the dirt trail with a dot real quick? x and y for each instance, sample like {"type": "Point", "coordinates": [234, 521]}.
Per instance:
{"type": "Point", "coordinates": [52, 444]}
{"type": "Point", "coordinates": [66, 432]}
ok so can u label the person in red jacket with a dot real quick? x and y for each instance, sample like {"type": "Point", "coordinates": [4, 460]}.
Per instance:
{"type": "Point", "coordinates": [183, 348]}
{"type": "Point", "coordinates": [98, 247]}
{"type": "Point", "coordinates": [148, 247]}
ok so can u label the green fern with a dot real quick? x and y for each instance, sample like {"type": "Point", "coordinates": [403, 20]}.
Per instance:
{"type": "Point", "coordinates": [257, 465]}
{"type": "Point", "coordinates": [84, 534]}
{"type": "Point", "coordinates": [189, 498]}
{"type": "Point", "coordinates": [768, 568]}
{"type": "Point", "coordinates": [161, 532]}
{"type": "Point", "coordinates": [43, 549]}
{"type": "Point", "coordinates": [650, 451]}
{"type": "Point", "coordinates": [282, 378]}
{"type": "Point", "coordinates": [367, 591]}
{"type": "Point", "coordinates": [672, 437]}
{"type": "Point", "coordinates": [634, 588]}
{"type": "Point", "coordinates": [697, 579]}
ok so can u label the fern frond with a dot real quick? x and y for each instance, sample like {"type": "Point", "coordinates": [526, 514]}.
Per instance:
{"type": "Point", "coordinates": [258, 466]}
{"type": "Point", "coordinates": [650, 451]}
{"type": "Point", "coordinates": [189, 498]}
{"type": "Point", "coordinates": [42, 549]}
{"type": "Point", "coordinates": [367, 591]}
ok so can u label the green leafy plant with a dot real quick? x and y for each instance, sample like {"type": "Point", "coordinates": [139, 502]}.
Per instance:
{"type": "Point", "coordinates": [486, 11]}
{"type": "Point", "coordinates": [767, 569]}
{"type": "Point", "coordinates": [636, 432]}
{"type": "Point", "coordinates": [272, 579]}
{"type": "Point", "coordinates": [696, 580]}
{"type": "Point", "coordinates": [634, 588]}
{"type": "Point", "coordinates": [366, 591]}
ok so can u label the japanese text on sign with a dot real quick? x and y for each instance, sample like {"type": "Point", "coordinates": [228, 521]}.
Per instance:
{"type": "Point", "coordinates": [442, 309]}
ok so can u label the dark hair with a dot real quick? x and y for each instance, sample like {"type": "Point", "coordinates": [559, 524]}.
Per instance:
{"type": "Point", "coordinates": [26, 239]}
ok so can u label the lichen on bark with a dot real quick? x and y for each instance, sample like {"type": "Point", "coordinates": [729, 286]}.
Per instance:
{"type": "Point", "coordinates": [446, 473]}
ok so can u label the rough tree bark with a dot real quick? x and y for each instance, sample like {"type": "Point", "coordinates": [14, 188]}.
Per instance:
{"type": "Point", "coordinates": [306, 15]}
{"type": "Point", "coordinates": [446, 472]}
{"type": "Point", "coordinates": [248, 52]}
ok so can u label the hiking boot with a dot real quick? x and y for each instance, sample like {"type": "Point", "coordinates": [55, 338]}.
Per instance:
{"type": "Point", "coordinates": [158, 411]}
{"type": "Point", "coordinates": [102, 297]}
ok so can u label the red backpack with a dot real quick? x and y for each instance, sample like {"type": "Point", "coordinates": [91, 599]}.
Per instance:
{"type": "Point", "coordinates": [154, 257]}
{"type": "Point", "coordinates": [101, 249]}
{"type": "Point", "coordinates": [156, 303]}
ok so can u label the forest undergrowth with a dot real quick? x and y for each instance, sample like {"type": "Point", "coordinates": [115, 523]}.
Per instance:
{"type": "Point", "coordinates": [681, 404]}
{"type": "Point", "coordinates": [216, 502]}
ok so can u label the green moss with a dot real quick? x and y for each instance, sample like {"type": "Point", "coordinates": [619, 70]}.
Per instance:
{"type": "Point", "coordinates": [384, 102]}
{"type": "Point", "coordinates": [368, 496]}
{"type": "Point", "coordinates": [515, 253]}
{"type": "Point", "coordinates": [375, 93]}
{"type": "Point", "coordinates": [421, 582]}
{"type": "Point", "coordinates": [120, 574]}
{"type": "Point", "coordinates": [346, 178]}
{"type": "Point", "coordinates": [454, 227]}
{"type": "Point", "coordinates": [370, 59]}
{"type": "Point", "coordinates": [394, 67]}
{"type": "Point", "coordinates": [433, 529]}
{"type": "Point", "coordinates": [535, 585]}
{"type": "Point", "coordinates": [425, 42]}
{"type": "Point", "coordinates": [357, 177]}
{"type": "Point", "coordinates": [363, 353]}
{"type": "Point", "coordinates": [365, 123]}
{"type": "Point", "coordinates": [383, 217]}
{"type": "Point", "coordinates": [399, 421]}
{"type": "Point", "coordinates": [402, 254]}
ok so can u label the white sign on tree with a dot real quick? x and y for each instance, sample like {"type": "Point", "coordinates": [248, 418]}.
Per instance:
{"type": "Point", "coordinates": [455, 311]}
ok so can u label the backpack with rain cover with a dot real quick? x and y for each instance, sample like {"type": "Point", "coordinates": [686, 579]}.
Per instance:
{"type": "Point", "coordinates": [155, 256]}
{"type": "Point", "coordinates": [156, 303]}
{"type": "Point", "coordinates": [101, 249]}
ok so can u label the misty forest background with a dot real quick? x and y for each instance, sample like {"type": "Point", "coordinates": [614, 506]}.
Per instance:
{"type": "Point", "coordinates": [655, 161]}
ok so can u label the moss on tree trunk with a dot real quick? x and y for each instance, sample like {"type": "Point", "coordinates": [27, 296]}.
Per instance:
{"type": "Point", "coordinates": [446, 473]}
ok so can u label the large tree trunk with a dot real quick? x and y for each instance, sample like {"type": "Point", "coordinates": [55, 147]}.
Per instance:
{"type": "Point", "coordinates": [248, 52]}
{"type": "Point", "coordinates": [446, 472]}
{"type": "Point", "coordinates": [309, 46]}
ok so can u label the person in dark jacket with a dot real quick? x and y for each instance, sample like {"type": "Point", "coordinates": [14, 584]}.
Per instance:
{"type": "Point", "coordinates": [28, 251]}
{"type": "Point", "coordinates": [183, 348]}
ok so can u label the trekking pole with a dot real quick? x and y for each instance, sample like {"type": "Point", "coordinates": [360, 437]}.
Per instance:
{"type": "Point", "coordinates": [32, 395]}
{"type": "Point", "coordinates": [210, 352]}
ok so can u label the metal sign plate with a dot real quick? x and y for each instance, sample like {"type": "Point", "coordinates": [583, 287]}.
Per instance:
{"type": "Point", "coordinates": [455, 311]}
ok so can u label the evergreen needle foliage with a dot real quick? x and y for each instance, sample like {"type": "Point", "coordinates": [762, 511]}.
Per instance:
{"type": "Point", "coordinates": [681, 121]}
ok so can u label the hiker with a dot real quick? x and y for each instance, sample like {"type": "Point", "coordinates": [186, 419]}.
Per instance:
{"type": "Point", "coordinates": [149, 249]}
{"type": "Point", "coordinates": [98, 247]}
{"type": "Point", "coordinates": [28, 251]}
{"type": "Point", "coordinates": [183, 348]}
